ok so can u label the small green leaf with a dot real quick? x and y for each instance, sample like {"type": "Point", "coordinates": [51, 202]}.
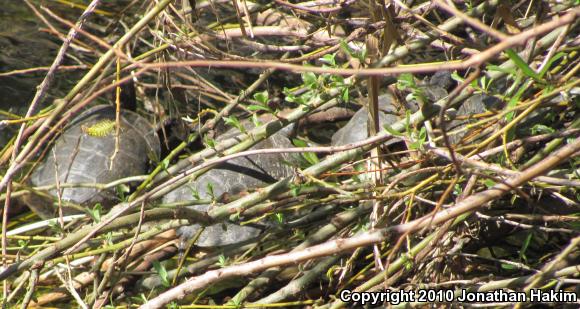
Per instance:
{"type": "Point", "coordinates": [550, 62]}
{"type": "Point", "coordinates": [309, 79]}
{"type": "Point", "coordinates": [162, 272]}
{"type": "Point", "coordinates": [521, 64]}
{"type": "Point", "coordinates": [408, 122]}
{"type": "Point", "coordinates": [95, 212]}
{"type": "Point", "coordinates": [508, 266]}
{"type": "Point", "coordinates": [255, 107]}
{"type": "Point", "coordinates": [209, 188]}
{"type": "Point", "coordinates": [222, 261]}
{"type": "Point", "coordinates": [391, 130]}
{"type": "Point", "coordinates": [345, 48]}
{"type": "Point", "coordinates": [234, 122]}
{"type": "Point", "coordinates": [345, 94]}
{"type": "Point", "coordinates": [456, 77]}
{"type": "Point", "coordinates": [542, 129]}
{"type": "Point", "coordinates": [491, 67]}
{"type": "Point", "coordinates": [489, 183]}
{"type": "Point", "coordinates": [525, 246]}
{"type": "Point", "coordinates": [261, 97]}
{"type": "Point", "coordinates": [295, 189]}
{"type": "Point", "coordinates": [256, 121]}
{"type": "Point", "coordinates": [210, 142]}
{"type": "Point", "coordinates": [279, 218]}
{"type": "Point", "coordinates": [329, 59]}
{"type": "Point", "coordinates": [195, 194]}
{"type": "Point", "coordinates": [299, 143]}
{"type": "Point", "coordinates": [309, 156]}
{"type": "Point", "coordinates": [405, 80]}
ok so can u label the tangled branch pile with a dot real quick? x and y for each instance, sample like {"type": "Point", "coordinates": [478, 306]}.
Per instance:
{"type": "Point", "coordinates": [460, 172]}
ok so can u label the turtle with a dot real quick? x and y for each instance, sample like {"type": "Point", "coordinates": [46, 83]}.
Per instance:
{"type": "Point", "coordinates": [234, 177]}
{"type": "Point", "coordinates": [355, 130]}
{"type": "Point", "coordinates": [83, 153]}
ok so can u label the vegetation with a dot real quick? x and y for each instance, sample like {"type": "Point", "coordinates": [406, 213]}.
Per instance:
{"type": "Point", "coordinates": [474, 188]}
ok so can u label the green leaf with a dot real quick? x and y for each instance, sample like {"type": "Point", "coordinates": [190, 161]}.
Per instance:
{"type": "Point", "coordinates": [309, 156]}
{"type": "Point", "coordinates": [456, 77]}
{"type": "Point", "coordinates": [299, 143]}
{"type": "Point", "coordinates": [95, 212]}
{"type": "Point", "coordinates": [329, 59]}
{"type": "Point", "coordinates": [162, 272]}
{"type": "Point", "coordinates": [255, 107]}
{"type": "Point", "coordinates": [256, 121]}
{"type": "Point", "coordinates": [542, 129]}
{"type": "Point", "coordinates": [209, 188]}
{"type": "Point", "coordinates": [550, 62]}
{"type": "Point", "coordinates": [423, 135]}
{"type": "Point", "coordinates": [489, 183]}
{"type": "Point", "coordinates": [261, 97]}
{"type": "Point", "coordinates": [195, 194]}
{"type": "Point", "coordinates": [525, 246]}
{"type": "Point", "coordinates": [515, 99]}
{"type": "Point", "coordinates": [405, 80]}
{"type": "Point", "coordinates": [222, 261]}
{"type": "Point", "coordinates": [233, 121]}
{"type": "Point", "coordinates": [508, 266]}
{"type": "Point", "coordinates": [345, 94]}
{"type": "Point", "coordinates": [521, 64]}
{"type": "Point", "coordinates": [491, 67]}
{"type": "Point", "coordinates": [408, 122]}
{"type": "Point", "coordinates": [391, 130]}
{"type": "Point", "coordinates": [210, 142]}
{"type": "Point", "coordinates": [345, 48]}
{"type": "Point", "coordinates": [309, 79]}
{"type": "Point", "coordinates": [295, 189]}
{"type": "Point", "coordinates": [279, 217]}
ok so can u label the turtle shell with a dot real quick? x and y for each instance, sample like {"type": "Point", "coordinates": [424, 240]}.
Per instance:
{"type": "Point", "coordinates": [233, 177]}
{"type": "Point", "coordinates": [355, 129]}
{"type": "Point", "coordinates": [83, 153]}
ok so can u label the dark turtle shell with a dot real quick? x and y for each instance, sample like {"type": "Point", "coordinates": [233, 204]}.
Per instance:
{"type": "Point", "coordinates": [83, 152]}
{"type": "Point", "coordinates": [356, 130]}
{"type": "Point", "coordinates": [233, 177]}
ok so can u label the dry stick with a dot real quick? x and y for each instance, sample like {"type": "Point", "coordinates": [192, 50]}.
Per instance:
{"type": "Point", "coordinates": [521, 142]}
{"type": "Point", "coordinates": [281, 184]}
{"type": "Point", "coordinates": [342, 5]}
{"type": "Point", "coordinates": [492, 167]}
{"type": "Point", "coordinates": [552, 265]}
{"type": "Point", "coordinates": [337, 223]}
{"type": "Point", "coordinates": [208, 126]}
{"type": "Point", "coordinates": [129, 220]}
{"type": "Point", "coordinates": [496, 285]}
{"type": "Point", "coordinates": [328, 163]}
{"type": "Point", "coordinates": [33, 141]}
{"type": "Point", "coordinates": [448, 25]}
{"type": "Point", "coordinates": [458, 90]}
{"type": "Point", "coordinates": [32, 285]}
{"type": "Point", "coordinates": [87, 34]}
{"type": "Point", "coordinates": [502, 219]}
{"type": "Point", "coordinates": [245, 202]}
{"type": "Point", "coordinates": [38, 97]}
{"type": "Point", "coordinates": [470, 20]}
{"type": "Point", "coordinates": [298, 285]}
{"type": "Point", "coordinates": [37, 69]}
{"type": "Point", "coordinates": [473, 61]}
{"type": "Point", "coordinates": [368, 238]}
{"type": "Point", "coordinates": [255, 136]}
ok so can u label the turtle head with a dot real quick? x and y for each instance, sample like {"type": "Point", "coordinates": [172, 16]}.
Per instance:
{"type": "Point", "coordinates": [128, 98]}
